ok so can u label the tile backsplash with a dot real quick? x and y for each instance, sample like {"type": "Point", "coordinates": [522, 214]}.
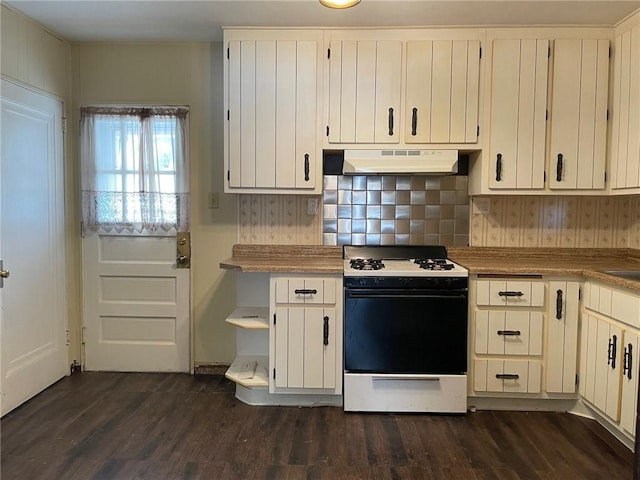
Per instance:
{"type": "Point", "coordinates": [557, 221]}
{"type": "Point", "coordinates": [395, 210]}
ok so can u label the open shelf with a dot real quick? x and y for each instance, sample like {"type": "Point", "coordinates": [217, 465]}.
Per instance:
{"type": "Point", "coordinates": [250, 371]}
{"type": "Point", "coordinates": [250, 317]}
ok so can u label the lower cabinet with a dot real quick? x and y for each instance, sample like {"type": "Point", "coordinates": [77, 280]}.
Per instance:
{"type": "Point", "coordinates": [288, 339]}
{"type": "Point", "coordinates": [525, 336]}
{"type": "Point", "coordinates": [609, 354]}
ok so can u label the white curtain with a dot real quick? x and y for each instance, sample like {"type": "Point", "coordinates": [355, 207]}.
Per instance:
{"type": "Point", "coordinates": [135, 173]}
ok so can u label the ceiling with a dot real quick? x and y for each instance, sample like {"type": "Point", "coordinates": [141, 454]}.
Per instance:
{"type": "Point", "coordinates": [201, 21]}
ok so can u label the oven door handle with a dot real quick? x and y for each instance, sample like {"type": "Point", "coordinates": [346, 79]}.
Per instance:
{"type": "Point", "coordinates": [403, 295]}
{"type": "Point", "coordinates": [405, 377]}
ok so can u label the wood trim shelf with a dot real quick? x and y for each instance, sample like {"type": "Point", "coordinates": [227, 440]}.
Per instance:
{"type": "Point", "coordinates": [250, 371]}
{"type": "Point", "coordinates": [256, 318]}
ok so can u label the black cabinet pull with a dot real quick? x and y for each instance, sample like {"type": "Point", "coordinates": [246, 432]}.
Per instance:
{"type": "Point", "coordinates": [325, 331]}
{"type": "Point", "coordinates": [510, 294]}
{"type": "Point", "coordinates": [509, 332]}
{"type": "Point", "coordinates": [507, 376]}
{"type": "Point", "coordinates": [559, 304]}
{"type": "Point", "coordinates": [305, 291]}
{"type": "Point", "coordinates": [611, 352]}
{"type": "Point", "coordinates": [390, 121]}
{"type": "Point", "coordinates": [499, 167]}
{"type": "Point", "coordinates": [414, 122]}
{"type": "Point", "coordinates": [559, 168]}
{"type": "Point", "coordinates": [306, 167]}
{"type": "Point", "coordinates": [627, 361]}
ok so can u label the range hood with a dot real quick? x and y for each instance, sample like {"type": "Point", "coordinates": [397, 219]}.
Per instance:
{"type": "Point", "coordinates": [400, 162]}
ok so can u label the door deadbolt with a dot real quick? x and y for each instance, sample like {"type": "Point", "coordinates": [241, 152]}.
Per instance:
{"type": "Point", "coordinates": [183, 250]}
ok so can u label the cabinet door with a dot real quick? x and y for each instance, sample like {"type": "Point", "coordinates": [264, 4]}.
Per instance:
{"type": "Point", "coordinates": [629, 382]}
{"type": "Point", "coordinates": [364, 91]}
{"type": "Point", "coordinates": [579, 114]}
{"type": "Point", "coordinates": [272, 114]}
{"type": "Point", "coordinates": [562, 337]}
{"type": "Point", "coordinates": [441, 104]}
{"type": "Point", "coordinates": [607, 369]}
{"type": "Point", "coordinates": [305, 347]}
{"type": "Point", "coordinates": [625, 138]}
{"type": "Point", "coordinates": [518, 113]}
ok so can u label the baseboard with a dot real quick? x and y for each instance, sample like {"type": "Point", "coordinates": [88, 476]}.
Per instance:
{"type": "Point", "coordinates": [210, 368]}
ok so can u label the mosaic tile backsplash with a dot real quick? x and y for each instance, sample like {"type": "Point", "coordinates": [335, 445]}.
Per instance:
{"type": "Point", "coordinates": [395, 210]}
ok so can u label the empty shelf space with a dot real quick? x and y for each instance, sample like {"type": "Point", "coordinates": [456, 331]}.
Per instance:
{"type": "Point", "coordinates": [250, 371]}
{"type": "Point", "coordinates": [250, 317]}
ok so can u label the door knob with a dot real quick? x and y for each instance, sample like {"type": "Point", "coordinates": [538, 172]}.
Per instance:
{"type": "Point", "coordinates": [4, 273]}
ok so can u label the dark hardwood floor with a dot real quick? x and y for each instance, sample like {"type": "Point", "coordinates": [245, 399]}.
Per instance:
{"type": "Point", "coordinates": [166, 426]}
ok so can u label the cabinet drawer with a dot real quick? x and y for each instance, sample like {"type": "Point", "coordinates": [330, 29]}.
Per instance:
{"type": "Point", "coordinates": [510, 293]}
{"type": "Point", "coordinates": [500, 332]}
{"type": "Point", "coordinates": [305, 290]}
{"type": "Point", "coordinates": [508, 376]}
{"type": "Point", "coordinates": [614, 303]}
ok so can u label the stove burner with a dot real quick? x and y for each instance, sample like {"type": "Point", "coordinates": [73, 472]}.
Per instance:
{"type": "Point", "coordinates": [434, 264]}
{"type": "Point", "coordinates": [366, 264]}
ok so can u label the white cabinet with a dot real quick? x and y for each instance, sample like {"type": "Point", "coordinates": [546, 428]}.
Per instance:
{"type": "Point", "coordinates": [579, 114]}
{"type": "Point", "coordinates": [442, 84]}
{"type": "Point", "coordinates": [562, 336]}
{"type": "Point", "coordinates": [364, 91]}
{"type": "Point", "coordinates": [518, 105]}
{"type": "Point", "coordinates": [273, 112]}
{"type": "Point", "coordinates": [306, 334]}
{"type": "Point", "coordinates": [625, 138]}
{"type": "Point", "coordinates": [609, 353]}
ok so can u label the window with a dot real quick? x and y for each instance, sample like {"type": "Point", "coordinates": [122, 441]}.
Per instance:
{"type": "Point", "coordinates": [134, 169]}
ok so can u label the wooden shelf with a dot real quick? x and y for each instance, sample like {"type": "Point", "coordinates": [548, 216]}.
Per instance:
{"type": "Point", "coordinates": [250, 371]}
{"type": "Point", "coordinates": [250, 317]}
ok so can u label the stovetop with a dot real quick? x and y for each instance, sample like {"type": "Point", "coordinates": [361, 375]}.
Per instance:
{"type": "Point", "coordinates": [399, 261]}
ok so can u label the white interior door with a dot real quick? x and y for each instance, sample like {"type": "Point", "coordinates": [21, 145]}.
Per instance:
{"type": "Point", "coordinates": [32, 299]}
{"type": "Point", "coordinates": [136, 304]}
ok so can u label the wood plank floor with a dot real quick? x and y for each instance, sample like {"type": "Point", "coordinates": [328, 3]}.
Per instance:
{"type": "Point", "coordinates": [166, 426]}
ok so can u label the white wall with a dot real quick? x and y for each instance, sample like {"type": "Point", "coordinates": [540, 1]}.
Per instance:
{"type": "Point", "coordinates": [185, 74]}
{"type": "Point", "coordinates": [37, 59]}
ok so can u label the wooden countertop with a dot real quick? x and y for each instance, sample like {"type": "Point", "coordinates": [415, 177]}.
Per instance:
{"type": "Point", "coordinates": [590, 263]}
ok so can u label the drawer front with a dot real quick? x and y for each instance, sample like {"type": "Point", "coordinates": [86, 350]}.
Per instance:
{"type": "Point", "coordinates": [507, 376]}
{"type": "Point", "coordinates": [500, 332]}
{"type": "Point", "coordinates": [306, 291]}
{"type": "Point", "coordinates": [510, 293]}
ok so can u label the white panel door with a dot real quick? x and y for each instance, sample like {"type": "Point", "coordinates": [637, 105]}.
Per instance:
{"type": "Point", "coordinates": [562, 337]}
{"type": "Point", "coordinates": [136, 304]}
{"type": "Point", "coordinates": [387, 87]}
{"type": "Point", "coordinates": [33, 314]}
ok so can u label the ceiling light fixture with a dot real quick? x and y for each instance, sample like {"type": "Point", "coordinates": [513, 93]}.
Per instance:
{"type": "Point", "coordinates": [339, 3]}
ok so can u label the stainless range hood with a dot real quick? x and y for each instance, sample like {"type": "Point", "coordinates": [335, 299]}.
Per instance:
{"type": "Point", "coordinates": [400, 162]}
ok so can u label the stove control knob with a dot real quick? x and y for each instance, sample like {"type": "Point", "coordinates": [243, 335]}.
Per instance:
{"type": "Point", "coordinates": [362, 281]}
{"type": "Point", "coordinates": [405, 282]}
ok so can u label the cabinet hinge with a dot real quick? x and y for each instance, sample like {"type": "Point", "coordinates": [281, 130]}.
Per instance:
{"type": "Point", "coordinates": [228, 175]}
{"type": "Point", "coordinates": [227, 53]}
{"type": "Point", "coordinates": [607, 114]}
{"type": "Point", "coordinates": [68, 338]}
{"type": "Point", "coordinates": [327, 130]}
{"type": "Point", "coordinates": [544, 177]}
{"type": "Point", "coordinates": [480, 52]}
{"type": "Point", "coordinates": [64, 124]}
{"type": "Point", "coordinates": [228, 115]}
{"type": "Point", "coordinates": [274, 373]}
{"type": "Point", "coordinates": [274, 318]}
{"type": "Point", "coordinates": [546, 114]}
{"type": "Point", "coordinates": [609, 51]}
{"type": "Point", "coordinates": [605, 177]}
{"type": "Point", "coordinates": [328, 53]}
{"type": "Point", "coordinates": [478, 131]}
{"type": "Point", "coordinates": [549, 52]}
{"type": "Point", "coordinates": [577, 379]}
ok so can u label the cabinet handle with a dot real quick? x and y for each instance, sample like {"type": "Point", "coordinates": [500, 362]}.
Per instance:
{"type": "Point", "coordinates": [390, 121]}
{"type": "Point", "coordinates": [514, 333]}
{"type": "Point", "coordinates": [325, 331]}
{"type": "Point", "coordinates": [414, 122]}
{"type": "Point", "coordinates": [559, 304]}
{"type": "Point", "coordinates": [498, 167]}
{"type": "Point", "coordinates": [305, 291]}
{"type": "Point", "coordinates": [510, 294]}
{"type": "Point", "coordinates": [306, 167]}
{"type": "Point", "coordinates": [628, 361]}
{"type": "Point", "coordinates": [611, 352]}
{"type": "Point", "coordinates": [507, 376]}
{"type": "Point", "coordinates": [559, 168]}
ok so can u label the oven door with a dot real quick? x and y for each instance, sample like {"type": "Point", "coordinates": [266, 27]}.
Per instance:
{"type": "Point", "coordinates": [405, 331]}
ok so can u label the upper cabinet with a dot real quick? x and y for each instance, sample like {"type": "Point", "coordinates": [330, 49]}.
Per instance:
{"type": "Point", "coordinates": [579, 114]}
{"type": "Point", "coordinates": [273, 111]}
{"type": "Point", "coordinates": [403, 88]}
{"type": "Point", "coordinates": [364, 91]}
{"type": "Point", "coordinates": [625, 138]}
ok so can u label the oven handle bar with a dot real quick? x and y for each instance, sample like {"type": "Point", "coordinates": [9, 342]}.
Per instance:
{"type": "Point", "coordinates": [404, 295]}
{"type": "Point", "coordinates": [406, 377]}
